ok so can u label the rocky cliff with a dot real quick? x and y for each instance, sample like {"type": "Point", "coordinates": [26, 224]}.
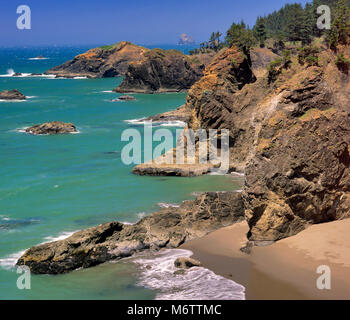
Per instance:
{"type": "Point", "coordinates": [162, 71]}
{"type": "Point", "coordinates": [103, 62]}
{"type": "Point", "coordinates": [300, 172]}
{"type": "Point", "coordinates": [168, 228]}
{"type": "Point", "coordinates": [290, 137]}
{"type": "Point", "coordinates": [288, 134]}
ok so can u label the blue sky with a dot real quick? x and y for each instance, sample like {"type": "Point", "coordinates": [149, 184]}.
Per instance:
{"type": "Point", "coordinates": [84, 22]}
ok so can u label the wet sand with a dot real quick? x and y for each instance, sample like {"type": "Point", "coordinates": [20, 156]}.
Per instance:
{"type": "Point", "coordinates": [284, 270]}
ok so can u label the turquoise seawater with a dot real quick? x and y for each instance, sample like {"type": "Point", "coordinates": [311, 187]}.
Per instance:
{"type": "Point", "coordinates": [51, 186]}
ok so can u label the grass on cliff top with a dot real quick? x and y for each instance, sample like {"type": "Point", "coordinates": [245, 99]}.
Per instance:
{"type": "Point", "coordinates": [113, 46]}
{"type": "Point", "coordinates": [108, 47]}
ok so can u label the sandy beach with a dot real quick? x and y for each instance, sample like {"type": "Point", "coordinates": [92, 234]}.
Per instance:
{"type": "Point", "coordinates": [284, 270]}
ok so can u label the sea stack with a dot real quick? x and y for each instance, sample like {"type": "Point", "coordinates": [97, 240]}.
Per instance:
{"type": "Point", "coordinates": [55, 127]}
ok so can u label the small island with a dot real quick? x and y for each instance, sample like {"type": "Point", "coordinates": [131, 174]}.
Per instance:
{"type": "Point", "coordinates": [54, 127]}
{"type": "Point", "coordinates": [12, 95]}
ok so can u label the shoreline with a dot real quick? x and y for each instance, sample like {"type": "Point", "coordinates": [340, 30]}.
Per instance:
{"type": "Point", "coordinates": [285, 270]}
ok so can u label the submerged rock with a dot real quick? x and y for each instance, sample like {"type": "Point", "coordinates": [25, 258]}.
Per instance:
{"type": "Point", "coordinates": [125, 98]}
{"type": "Point", "coordinates": [169, 227]}
{"type": "Point", "coordinates": [55, 127]}
{"type": "Point", "coordinates": [11, 95]}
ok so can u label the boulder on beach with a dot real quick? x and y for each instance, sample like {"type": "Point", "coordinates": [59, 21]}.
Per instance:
{"type": "Point", "coordinates": [11, 95]}
{"type": "Point", "coordinates": [55, 127]}
{"type": "Point", "coordinates": [186, 263]}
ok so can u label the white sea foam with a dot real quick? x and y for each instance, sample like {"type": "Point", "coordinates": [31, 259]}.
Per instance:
{"type": "Point", "coordinates": [38, 58]}
{"type": "Point", "coordinates": [143, 121]}
{"type": "Point", "coordinates": [157, 273]}
{"type": "Point", "coordinates": [61, 236]}
{"type": "Point", "coordinates": [140, 216]}
{"type": "Point", "coordinates": [10, 73]}
{"type": "Point", "coordinates": [168, 205]}
{"type": "Point", "coordinates": [4, 218]}
{"type": "Point", "coordinates": [237, 174]}
{"type": "Point", "coordinates": [140, 121]}
{"type": "Point", "coordinates": [176, 123]}
{"type": "Point", "coordinates": [108, 91]}
{"type": "Point", "coordinates": [27, 75]}
{"type": "Point", "coordinates": [9, 261]}
{"type": "Point", "coordinates": [21, 130]}
{"type": "Point", "coordinates": [3, 100]}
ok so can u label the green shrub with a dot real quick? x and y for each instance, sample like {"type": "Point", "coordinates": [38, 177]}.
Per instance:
{"type": "Point", "coordinates": [274, 69]}
{"type": "Point", "coordinates": [276, 66]}
{"type": "Point", "coordinates": [309, 55]}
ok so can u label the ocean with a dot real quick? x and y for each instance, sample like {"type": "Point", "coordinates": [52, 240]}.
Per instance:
{"type": "Point", "coordinates": [52, 186]}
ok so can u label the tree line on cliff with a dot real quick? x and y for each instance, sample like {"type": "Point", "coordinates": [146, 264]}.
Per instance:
{"type": "Point", "coordinates": [292, 23]}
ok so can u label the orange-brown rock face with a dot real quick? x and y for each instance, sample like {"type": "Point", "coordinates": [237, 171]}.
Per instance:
{"type": "Point", "coordinates": [108, 61]}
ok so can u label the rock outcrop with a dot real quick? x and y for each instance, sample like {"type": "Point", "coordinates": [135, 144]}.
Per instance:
{"type": "Point", "coordinates": [300, 172]}
{"type": "Point", "coordinates": [55, 127]}
{"type": "Point", "coordinates": [182, 114]}
{"type": "Point", "coordinates": [103, 62]}
{"type": "Point", "coordinates": [186, 263]}
{"type": "Point", "coordinates": [261, 58]}
{"type": "Point", "coordinates": [216, 101]}
{"type": "Point", "coordinates": [11, 95]}
{"type": "Point", "coordinates": [168, 228]}
{"type": "Point", "coordinates": [161, 71]}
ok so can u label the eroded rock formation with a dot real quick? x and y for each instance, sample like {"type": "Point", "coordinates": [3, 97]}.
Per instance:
{"type": "Point", "coordinates": [168, 228]}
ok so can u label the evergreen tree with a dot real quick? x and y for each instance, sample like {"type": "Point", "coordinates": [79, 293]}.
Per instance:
{"type": "Point", "coordinates": [340, 30]}
{"type": "Point", "coordinates": [240, 36]}
{"type": "Point", "coordinates": [260, 31]}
